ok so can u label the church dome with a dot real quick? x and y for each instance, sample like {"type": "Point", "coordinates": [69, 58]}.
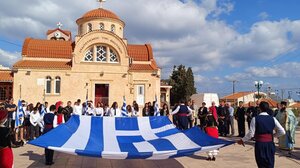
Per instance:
{"type": "Point", "coordinates": [99, 13]}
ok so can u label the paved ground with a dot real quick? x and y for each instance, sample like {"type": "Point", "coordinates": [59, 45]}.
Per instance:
{"type": "Point", "coordinates": [234, 156]}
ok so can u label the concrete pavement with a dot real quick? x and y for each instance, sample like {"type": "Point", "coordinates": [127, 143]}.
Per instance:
{"type": "Point", "coordinates": [234, 156]}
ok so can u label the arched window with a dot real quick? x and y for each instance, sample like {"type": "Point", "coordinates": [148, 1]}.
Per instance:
{"type": "Point", "coordinates": [2, 93]}
{"type": "Point", "coordinates": [113, 28]}
{"type": "Point", "coordinates": [48, 85]}
{"type": "Point", "coordinates": [101, 54]}
{"type": "Point", "coordinates": [89, 55]}
{"type": "Point", "coordinates": [57, 85]}
{"type": "Point", "coordinates": [90, 27]}
{"type": "Point", "coordinates": [101, 26]}
{"type": "Point", "coordinates": [113, 57]}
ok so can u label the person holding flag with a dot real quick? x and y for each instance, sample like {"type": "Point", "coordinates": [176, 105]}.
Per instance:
{"type": "Point", "coordinates": [41, 121]}
{"type": "Point", "coordinates": [19, 119]}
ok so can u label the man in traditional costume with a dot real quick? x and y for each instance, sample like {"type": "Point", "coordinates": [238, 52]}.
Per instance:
{"type": "Point", "coordinates": [289, 122]}
{"type": "Point", "coordinates": [48, 121]}
{"type": "Point", "coordinates": [183, 112]}
{"type": "Point", "coordinates": [262, 127]}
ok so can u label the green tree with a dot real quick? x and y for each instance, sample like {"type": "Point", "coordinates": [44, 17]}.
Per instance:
{"type": "Point", "coordinates": [182, 82]}
{"type": "Point", "coordinates": [190, 83]}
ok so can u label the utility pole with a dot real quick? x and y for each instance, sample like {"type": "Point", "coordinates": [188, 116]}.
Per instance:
{"type": "Point", "coordinates": [233, 86]}
{"type": "Point", "coordinates": [282, 93]}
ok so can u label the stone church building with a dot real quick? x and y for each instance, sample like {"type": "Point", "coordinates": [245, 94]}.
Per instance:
{"type": "Point", "coordinates": [98, 63]}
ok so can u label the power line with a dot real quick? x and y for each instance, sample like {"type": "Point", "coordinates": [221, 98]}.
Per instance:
{"type": "Point", "coordinates": [8, 42]}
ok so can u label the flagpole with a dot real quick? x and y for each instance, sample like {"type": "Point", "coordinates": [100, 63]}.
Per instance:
{"type": "Point", "coordinates": [20, 91]}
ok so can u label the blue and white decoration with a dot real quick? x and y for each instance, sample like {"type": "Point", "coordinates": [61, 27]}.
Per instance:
{"type": "Point", "coordinates": [123, 109]}
{"type": "Point", "coordinates": [127, 138]}
{"type": "Point", "coordinates": [156, 108]}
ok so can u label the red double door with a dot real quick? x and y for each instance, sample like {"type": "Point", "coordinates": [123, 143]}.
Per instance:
{"type": "Point", "coordinates": [102, 93]}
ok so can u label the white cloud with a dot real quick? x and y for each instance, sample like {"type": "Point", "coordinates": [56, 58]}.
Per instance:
{"type": "Point", "coordinates": [284, 70]}
{"type": "Point", "coordinates": [181, 33]}
{"type": "Point", "coordinates": [263, 15]}
{"type": "Point", "coordinates": [8, 58]}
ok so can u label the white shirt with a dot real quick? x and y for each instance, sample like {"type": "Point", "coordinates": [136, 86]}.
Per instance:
{"type": "Point", "coordinates": [115, 112]}
{"type": "Point", "coordinates": [178, 107]}
{"type": "Point", "coordinates": [27, 113]}
{"type": "Point", "coordinates": [99, 111]}
{"type": "Point", "coordinates": [280, 131]}
{"type": "Point", "coordinates": [77, 110]}
{"type": "Point", "coordinates": [90, 111]}
{"type": "Point", "coordinates": [34, 118]}
{"type": "Point", "coordinates": [231, 111]}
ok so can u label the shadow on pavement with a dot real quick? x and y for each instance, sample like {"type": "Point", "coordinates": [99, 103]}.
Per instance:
{"type": "Point", "coordinates": [65, 160]}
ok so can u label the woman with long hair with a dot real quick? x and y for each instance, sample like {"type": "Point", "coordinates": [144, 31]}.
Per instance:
{"type": "Point", "coordinates": [114, 111]}
{"type": "Point", "coordinates": [146, 110]}
{"type": "Point", "coordinates": [165, 110]}
{"type": "Point", "coordinates": [99, 111]}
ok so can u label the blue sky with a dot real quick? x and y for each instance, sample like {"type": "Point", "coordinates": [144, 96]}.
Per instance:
{"type": "Point", "coordinates": [222, 40]}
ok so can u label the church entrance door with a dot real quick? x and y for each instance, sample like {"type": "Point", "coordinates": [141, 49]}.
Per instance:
{"type": "Point", "coordinates": [102, 93]}
{"type": "Point", "coordinates": [140, 94]}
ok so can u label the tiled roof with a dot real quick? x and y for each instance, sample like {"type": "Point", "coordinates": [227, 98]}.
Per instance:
{"type": "Point", "coordinates": [146, 67]}
{"type": "Point", "coordinates": [140, 52]}
{"type": "Point", "coordinates": [6, 76]}
{"type": "Point", "coordinates": [28, 64]}
{"type": "Point", "coordinates": [47, 48]}
{"type": "Point", "coordinates": [236, 95]}
{"type": "Point", "coordinates": [296, 105]}
{"type": "Point", "coordinates": [66, 32]}
{"type": "Point", "coordinates": [99, 13]}
{"type": "Point", "coordinates": [272, 103]}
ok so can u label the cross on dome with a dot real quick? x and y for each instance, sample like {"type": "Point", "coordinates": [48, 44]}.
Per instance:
{"type": "Point", "coordinates": [59, 25]}
{"type": "Point", "coordinates": [101, 2]}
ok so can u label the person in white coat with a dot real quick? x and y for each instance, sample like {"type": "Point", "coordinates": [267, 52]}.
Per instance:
{"type": "Point", "coordinates": [77, 108]}
{"type": "Point", "coordinates": [34, 127]}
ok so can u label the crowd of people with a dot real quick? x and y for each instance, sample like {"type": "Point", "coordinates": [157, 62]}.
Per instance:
{"type": "Point", "coordinates": [214, 120]}
{"type": "Point", "coordinates": [219, 121]}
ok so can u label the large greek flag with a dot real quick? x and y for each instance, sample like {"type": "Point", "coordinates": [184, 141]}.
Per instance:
{"type": "Point", "coordinates": [127, 138]}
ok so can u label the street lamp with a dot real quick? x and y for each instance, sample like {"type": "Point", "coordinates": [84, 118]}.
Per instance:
{"type": "Point", "coordinates": [258, 85]}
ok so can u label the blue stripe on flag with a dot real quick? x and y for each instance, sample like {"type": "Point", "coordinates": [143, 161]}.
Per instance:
{"type": "Point", "coordinates": [141, 155]}
{"type": "Point", "coordinates": [129, 139]}
{"type": "Point", "coordinates": [157, 122]}
{"type": "Point", "coordinates": [126, 143]}
{"type": "Point", "coordinates": [60, 135]}
{"type": "Point", "coordinates": [95, 142]}
{"type": "Point", "coordinates": [167, 133]}
{"type": "Point", "coordinates": [162, 144]}
{"type": "Point", "coordinates": [127, 124]}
